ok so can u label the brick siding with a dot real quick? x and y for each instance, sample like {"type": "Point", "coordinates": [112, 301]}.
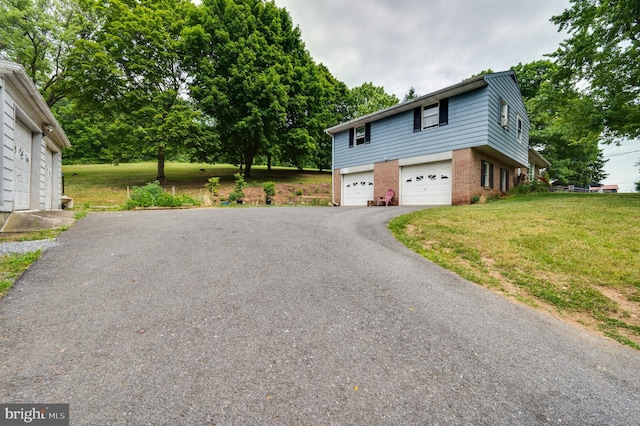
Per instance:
{"type": "Point", "coordinates": [386, 176]}
{"type": "Point", "coordinates": [337, 187]}
{"type": "Point", "coordinates": [466, 176]}
{"type": "Point", "coordinates": [465, 172]}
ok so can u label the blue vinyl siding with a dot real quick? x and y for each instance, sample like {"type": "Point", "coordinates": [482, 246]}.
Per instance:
{"type": "Point", "coordinates": [506, 140]}
{"type": "Point", "coordinates": [473, 122]}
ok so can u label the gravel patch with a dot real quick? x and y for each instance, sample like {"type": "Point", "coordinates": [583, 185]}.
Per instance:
{"type": "Point", "coordinates": [23, 247]}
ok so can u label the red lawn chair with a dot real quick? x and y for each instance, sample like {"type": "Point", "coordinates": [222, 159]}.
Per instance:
{"type": "Point", "coordinates": [387, 197]}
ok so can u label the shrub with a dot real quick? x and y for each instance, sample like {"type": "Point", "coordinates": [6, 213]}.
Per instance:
{"type": "Point", "coordinates": [152, 195]}
{"type": "Point", "coordinates": [526, 188]}
{"type": "Point", "coordinates": [475, 199]}
{"type": "Point", "coordinates": [212, 185]}
{"type": "Point", "coordinates": [240, 184]}
{"type": "Point", "coordinates": [269, 189]}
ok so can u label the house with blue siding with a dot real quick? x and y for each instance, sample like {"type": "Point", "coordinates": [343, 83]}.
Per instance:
{"type": "Point", "coordinates": [466, 140]}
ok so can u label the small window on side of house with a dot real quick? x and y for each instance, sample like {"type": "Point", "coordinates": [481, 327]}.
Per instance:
{"type": "Point", "coordinates": [504, 180]}
{"type": "Point", "coordinates": [486, 174]}
{"type": "Point", "coordinates": [520, 128]}
{"type": "Point", "coordinates": [504, 113]}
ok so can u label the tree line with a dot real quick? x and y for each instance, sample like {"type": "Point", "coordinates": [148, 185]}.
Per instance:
{"type": "Point", "coordinates": [222, 81]}
{"type": "Point", "coordinates": [231, 81]}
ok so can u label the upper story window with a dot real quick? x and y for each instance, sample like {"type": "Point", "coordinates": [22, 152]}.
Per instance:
{"type": "Point", "coordinates": [360, 135]}
{"type": "Point", "coordinates": [432, 115]}
{"type": "Point", "coordinates": [504, 113]}
{"type": "Point", "coordinates": [520, 128]}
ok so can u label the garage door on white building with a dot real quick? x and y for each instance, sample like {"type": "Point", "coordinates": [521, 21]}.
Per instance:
{"type": "Point", "coordinates": [22, 167]}
{"type": "Point", "coordinates": [48, 180]}
{"type": "Point", "coordinates": [357, 188]}
{"type": "Point", "coordinates": [426, 184]}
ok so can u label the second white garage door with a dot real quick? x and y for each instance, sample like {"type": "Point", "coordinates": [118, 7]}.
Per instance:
{"type": "Point", "coordinates": [48, 180]}
{"type": "Point", "coordinates": [357, 188]}
{"type": "Point", "coordinates": [426, 184]}
{"type": "Point", "coordinates": [22, 167]}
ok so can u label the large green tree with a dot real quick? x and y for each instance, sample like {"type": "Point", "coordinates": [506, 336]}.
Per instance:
{"type": "Point", "coordinates": [239, 54]}
{"type": "Point", "coordinates": [129, 74]}
{"type": "Point", "coordinates": [603, 50]}
{"type": "Point", "coordinates": [368, 98]}
{"type": "Point", "coordinates": [316, 102]}
{"type": "Point", "coordinates": [38, 34]}
{"type": "Point", "coordinates": [565, 124]}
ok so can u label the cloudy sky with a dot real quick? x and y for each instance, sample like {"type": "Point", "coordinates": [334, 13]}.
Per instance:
{"type": "Point", "coordinates": [431, 44]}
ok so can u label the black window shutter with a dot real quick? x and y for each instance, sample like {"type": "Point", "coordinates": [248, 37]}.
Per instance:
{"type": "Point", "coordinates": [367, 133]}
{"type": "Point", "coordinates": [500, 110]}
{"type": "Point", "coordinates": [482, 168]}
{"type": "Point", "coordinates": [506, 172]}
{"type": "Point", "coordinates": [444, 112]}
{"type": "Point", "coordinates": [351, 137]}
{"type": "Point", "coordinates": [417, 119]}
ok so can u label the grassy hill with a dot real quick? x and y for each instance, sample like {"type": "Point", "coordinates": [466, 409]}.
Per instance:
{"type": "Point", "coordinates": [576, 256]}
{"type": "Point", "coordinates": [105, 185]}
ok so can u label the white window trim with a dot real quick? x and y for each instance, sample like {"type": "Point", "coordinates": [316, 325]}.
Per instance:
{"type": "Point", "coordinates": [504, 113]}
{"type": "Point", "coordinates": [504, 180]}
{"type": "Point", "coordinates": [360, 138]}
{"type": "Point", "coordinates": [520, 128]}
{"type": "Point", "coordinates": [434, 111]}
{"type": "Point", "coordinates": [486, 175]}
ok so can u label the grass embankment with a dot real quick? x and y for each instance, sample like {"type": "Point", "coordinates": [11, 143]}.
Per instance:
{"type": "Point", "coordinates": [12, 265]}
{"type": "Point", "coordinates": [105, 185]}
{"type": "Point", "coordinates": [574, 255]}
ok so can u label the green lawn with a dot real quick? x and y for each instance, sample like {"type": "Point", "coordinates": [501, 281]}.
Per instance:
{"type": "Point", "coordinates": [575, 255]}
{"type": "Point", "coordinates": [12, 266]}
{"type": "Point", "coordinates": [102, 185]}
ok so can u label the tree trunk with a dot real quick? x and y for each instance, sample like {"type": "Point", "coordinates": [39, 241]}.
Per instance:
{"type": "Point", "coordinates": [269, 162]}
{"type": "Point", "coordinates": [250, 152]}
{"type": "Point", "coordinates": [160, 177]}
{"type": "Point", "coordinates": [247, 167]}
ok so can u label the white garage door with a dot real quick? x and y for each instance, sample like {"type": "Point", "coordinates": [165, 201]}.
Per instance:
{"type": "Point", "coordinates": [48, 180]}
{"type": "Point", "coordinates": [426, 184]}
{"type": "Point", "coordinates": [22, 167]}
{"type": "Point", "coordinates": [357, 188]}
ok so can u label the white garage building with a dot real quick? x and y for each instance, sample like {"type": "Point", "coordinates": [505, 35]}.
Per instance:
{"type": "Point", "coordinates": [31, 142]}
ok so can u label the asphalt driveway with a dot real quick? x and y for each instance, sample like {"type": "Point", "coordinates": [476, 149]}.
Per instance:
{"type": "Point", "coordinates": [289, 316]}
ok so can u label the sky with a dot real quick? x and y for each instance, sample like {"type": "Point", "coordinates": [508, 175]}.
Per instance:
{"type": "Point", "coordinates": [432, 44]}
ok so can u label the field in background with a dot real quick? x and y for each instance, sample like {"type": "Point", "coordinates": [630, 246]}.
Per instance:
{"type": "Point", "coordinates": [105, 185]}
{"type": "Point", "coordinates": [574, 255]}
